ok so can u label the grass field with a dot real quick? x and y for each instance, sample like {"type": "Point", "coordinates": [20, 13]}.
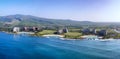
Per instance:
{"type": "Point", "coordinates": [73, 35]}
{"type": "Point", "coordinates": [45, 32]}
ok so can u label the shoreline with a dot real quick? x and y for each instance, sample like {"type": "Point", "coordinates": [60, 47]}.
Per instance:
{"type": "Point", "coordinates": [59, 36]}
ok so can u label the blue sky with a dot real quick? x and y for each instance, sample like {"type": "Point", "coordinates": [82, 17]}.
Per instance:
{"type": "Point", "coordinates": [81, 10]}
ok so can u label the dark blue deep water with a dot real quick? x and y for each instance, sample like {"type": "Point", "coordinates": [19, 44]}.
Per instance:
{"type": "Point", "coordinates": [30, 47]}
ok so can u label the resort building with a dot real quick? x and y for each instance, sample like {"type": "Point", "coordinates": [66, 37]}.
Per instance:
{"type": "Point", "coordinates": [89, 31]}
{"type": "Point", "coordinates": [65, 30]}
{"type": "Point", "coordinates": [16, 29]}
{"type": "Point", "coordinates": [36, 29]}
{"type": "Point", "coordinates": [94, 31]}
{"type": "Point", "coordinates": [102, 33]}
{"type": "Point", "coordinates": [86, 31]}
{"type": "Point", "coordinates": [61, 31]}
{"type": "Point", "coordinates": [32, 29]}
{"type": "Point", "coordinates": [25, 29]}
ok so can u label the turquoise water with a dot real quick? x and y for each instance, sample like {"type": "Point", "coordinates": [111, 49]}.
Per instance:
{"type": "Point", "coordinates": [30, 47]}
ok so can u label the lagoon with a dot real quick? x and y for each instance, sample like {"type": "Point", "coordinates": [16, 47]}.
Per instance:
{"type": "Point", "coordinates": [14, 46]}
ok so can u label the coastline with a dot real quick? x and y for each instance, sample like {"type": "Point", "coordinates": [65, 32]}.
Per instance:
{"type": "Point", "coordinates": [62, 37]}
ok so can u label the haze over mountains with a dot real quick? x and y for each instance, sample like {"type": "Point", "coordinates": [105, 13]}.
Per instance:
{"type": "Point", "coordinates": [29, 20]}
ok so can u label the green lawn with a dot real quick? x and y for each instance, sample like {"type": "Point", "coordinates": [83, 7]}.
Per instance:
{"type": "Point", "coordinates": [73, 35]}
{"type": "Point", "coordinates": [74, 30]}
{"type": "Point", "coordinates": [45, 32]}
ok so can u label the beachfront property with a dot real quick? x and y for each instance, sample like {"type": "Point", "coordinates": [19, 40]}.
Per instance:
{"type": "Point", "coordinates": [85, 34]}
{"type": "Point", "coordinates": [30, 29]}
{"type": "Point", "coordinates": [33, 29]}
{"type": "Point", "coordinates": [61, 31]}
{"type": "Point", "coordinates": [25, 29]}
{"type": "Point", "coordinates": [94, 31]}
{"type": "Point", "coordinates": [102, 32]}
{"type": "Point", "coordinates": [88, 31]}
{"type": "Point", "coordinates": [65, 30]}
{"type": "Point", "coordinates": [16, 29]}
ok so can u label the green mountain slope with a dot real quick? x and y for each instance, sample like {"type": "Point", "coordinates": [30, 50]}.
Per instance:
{"type": "Point", "coordinates": [28, 20]}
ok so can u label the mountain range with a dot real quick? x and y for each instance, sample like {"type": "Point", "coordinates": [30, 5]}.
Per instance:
{"type": "Point", "coordinates": [29, 20]}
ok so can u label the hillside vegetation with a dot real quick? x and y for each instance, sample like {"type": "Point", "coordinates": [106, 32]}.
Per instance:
{"type": "Point", "coordinates": [28, 20]}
